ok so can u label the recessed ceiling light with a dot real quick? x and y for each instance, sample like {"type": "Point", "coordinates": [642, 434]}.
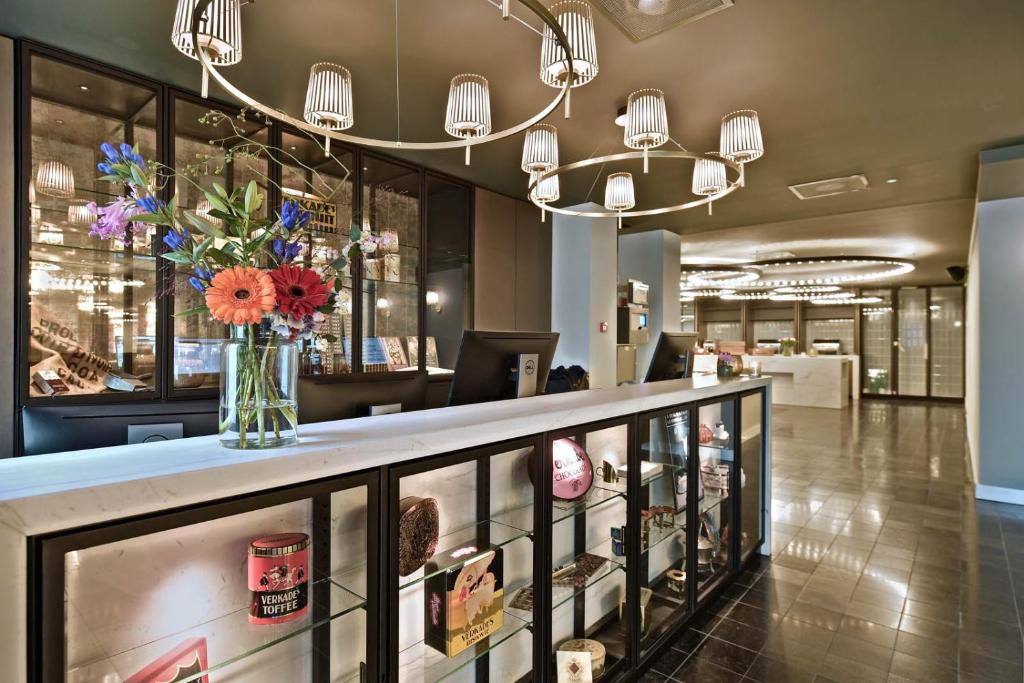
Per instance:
{"type": "Point", "coordinates": [59, 122]}
{"type": "Point", "coordinates": [83, 87]}
{"type": "Point", "coordinates": [892, 181]}
{"type": "Point", "coordinates": [292, 147]}
{"type": "Point", "coordinates": [620, 118]}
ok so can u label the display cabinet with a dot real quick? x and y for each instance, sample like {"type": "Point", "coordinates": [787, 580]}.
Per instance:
{"type": "Point", "coordinates": [592, 545]}
{"type": "Point", "coordinates": [277, 586]}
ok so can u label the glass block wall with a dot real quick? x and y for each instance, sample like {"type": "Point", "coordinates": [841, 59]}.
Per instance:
{"type": "Point", "coordinates": [946, 309]}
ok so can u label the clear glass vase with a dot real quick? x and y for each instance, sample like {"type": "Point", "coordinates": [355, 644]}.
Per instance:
{"type": "Point", "coordinates": [258, 389]}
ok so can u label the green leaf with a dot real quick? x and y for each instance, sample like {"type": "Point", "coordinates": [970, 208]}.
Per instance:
{"type": "Point", "coordinates": [215, 201]}
{"type": "Point", "coordinates": [338, 284]}
{"type": "Point", "coordinates": [220, 257]}
{"type": "Point", "coordinates": [177, 257]}
{"type": "Point", "coordinates": [355, 232]}
{"type": "Point", "coordinates": [326, 308]}
{"type": "Point", "coordinates": [154, 218]}
{"type": "Point", "coordinates": [192, 311]}
{"type": "Point", "coordinates": [251, 197]}
{"type": "Point", "coordinates": [197, 252]}
{"type": "Point", "coordinates": [339, 263]}
{"type": "Point", "coordinates": [221, 191]}
{"type": "Point", "coordinates": [204, 226]}
{"type": "Point", "coordinates": [136, 176]}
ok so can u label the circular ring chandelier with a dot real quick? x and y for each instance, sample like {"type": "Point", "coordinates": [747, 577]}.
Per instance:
{"type": "Point", "coordinates": [209, 58]}
{"type": "Point", "coordinates": [887, 268]}
{"type": "Point", "coordinates": [691, 294]}
{"type": "Point", "coordinates": [733, 183]}
{"type": "Point", "coordinates": [720, 276]}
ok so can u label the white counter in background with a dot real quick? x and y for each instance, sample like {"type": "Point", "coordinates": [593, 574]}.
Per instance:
{"type": "Point", "coordinates": [812, 381]}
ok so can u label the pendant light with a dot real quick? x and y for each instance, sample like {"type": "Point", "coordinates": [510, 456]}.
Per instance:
{"type": "Point", "coordinates": [81, 214]}
{"type": "Point", "coordinates": [577, 21]}
{"type": "Point", "coordinates": [55, 179]}
{"type": "Point", "coordinates": [618, 194]}
{"type": "Point", "coordinates": [204, 209]}
{"type": "Point", "coordinates": [469, 108]}
{"type": "Point", "coordinates": [329, 99]}
{"type": "Point", "coordinates": [220, 33]}
{"type": "Point", "coordinates": [709, 177]}
{"type": "Point", "coordinates": [540, 149]}
{"type": "Point", "coordinates": [741, 136]}
{"type": "Point", "coordinates": [646, 121]}
{"type": "Point", "coordinates": [547, 190]}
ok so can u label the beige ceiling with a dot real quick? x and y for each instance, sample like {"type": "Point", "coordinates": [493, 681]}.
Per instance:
{"type": "Point", "coordinates": [912, 89]}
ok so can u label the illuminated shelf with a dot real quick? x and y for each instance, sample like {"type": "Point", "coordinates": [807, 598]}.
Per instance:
{"type": "Point", "coordinates": [598, 496]}
{"type": "Point", "coordinates": [230, 635]}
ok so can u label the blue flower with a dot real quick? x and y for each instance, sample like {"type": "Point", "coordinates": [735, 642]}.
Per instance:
{"type": "Point", "coordinates": [203, 273]}
{"type": "Point", "coordinates": [126, 150]}
{"type": "Point", "coordinates": [139, 161]}
{"type": "Point", "coordinates": [286, 252]}
{"type": "Point", "coordinates": [293, 216]}
{"type": "Point", "coordinates": [197, 284]}
{"type": "Point", "coordinates": [149, 204]}
{"type": "Point", "coordinates": [105, 168]}
{"type": "Point", "coordinates": [175, 240]}
{"type": "Point", "coordinates": [110, 152]}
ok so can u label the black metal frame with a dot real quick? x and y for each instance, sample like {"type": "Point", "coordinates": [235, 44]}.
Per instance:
{"type": "Point", "coordinates": [46, 552]}
{"type": "Point", "coordinates": [46, 655]}
{"type": "Point", "coordinates": [166, 97]}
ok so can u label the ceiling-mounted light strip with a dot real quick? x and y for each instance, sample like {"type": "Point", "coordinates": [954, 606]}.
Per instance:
{"type": "Point", "coordinates": [719, 276]}
{"type": "Point", "coordinates": [888, 268]}
{"type": "Point", "coordinates": [747, 296]}
{"type": "Point", "coordinates": [810, 289]}
{"type": "Point", "coordinates": [849, 301]}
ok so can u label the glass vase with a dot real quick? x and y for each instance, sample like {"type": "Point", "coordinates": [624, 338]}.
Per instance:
{"type": "Point", "coordinates": [258, 389]}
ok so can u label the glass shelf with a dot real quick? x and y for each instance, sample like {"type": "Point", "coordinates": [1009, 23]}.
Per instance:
{"type": "Point", "coordinates": [710, 501]}
{"type": "Point", "coordinates": [563, 594]}
{"type": "Point", "coordinates": [659, 470]}
{"type": "Point", "coordinates": [499, 534]}
{"type": "Point", "coordinates": [244, 638]}
{"type": "Point", "coordinates": [420, 662]}
{"type": "Point", "coordinates": [717, 446]}
{"type": "Point", "coordinates": [598, 496]}
{"type": "Point", "coordinates": [658, 535]}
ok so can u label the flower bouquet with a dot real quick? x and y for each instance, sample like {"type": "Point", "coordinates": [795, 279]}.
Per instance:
{"type": "Point", "coordinates": [729, 365]}
{"type": "Point", "coordinates": [244, 266]}
{"type": "Point", "coordinates": [787, 345]}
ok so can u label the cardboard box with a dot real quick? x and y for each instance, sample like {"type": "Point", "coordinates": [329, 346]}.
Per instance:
{"type": "Point", "coordinates": [464, 598]}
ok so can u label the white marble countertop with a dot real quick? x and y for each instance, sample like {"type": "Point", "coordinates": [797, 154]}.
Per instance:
{"type": "Point", "coordinates": [42, 494]}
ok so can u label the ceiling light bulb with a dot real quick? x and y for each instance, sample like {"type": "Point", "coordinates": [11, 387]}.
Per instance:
{"type": "Point", "coordinates": [469, 108]}
{"type": "Point", "coordinates": [220, 33]}
{"type": "Point", "coordinates": [620, 117]}
{"type": "Point", "coordinates": [83, 87]}
{"type": "Point", "coordinates": [892, 181]}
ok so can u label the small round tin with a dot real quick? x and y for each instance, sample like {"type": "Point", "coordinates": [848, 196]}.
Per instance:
{"type": "Point", "coordinates": [278, 578]}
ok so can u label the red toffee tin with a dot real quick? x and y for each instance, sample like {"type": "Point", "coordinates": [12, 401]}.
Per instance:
{"type": "Point", "coordinates": [278, 569]}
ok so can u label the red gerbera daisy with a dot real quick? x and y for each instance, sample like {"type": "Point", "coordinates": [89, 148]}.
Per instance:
{"type": "Point", "coordinates": [299, 290]}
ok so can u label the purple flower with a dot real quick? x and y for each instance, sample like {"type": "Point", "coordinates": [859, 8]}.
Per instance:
{"type": "Point", "coordinates": [293, 216]}
{"type": "Point", "coordinates": [175, 240]}
{"type": "Point", "coordinates": [113, 220]}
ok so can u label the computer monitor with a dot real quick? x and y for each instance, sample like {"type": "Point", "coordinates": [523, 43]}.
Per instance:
{"type": "Point", "coordinates": [492, 366]}
{"type": "Point", "coordinates": [53, 429]}
{"type": "Point", "coordinates": [673, 357]}
{"type": "Point", "coordinates": [339, 397]}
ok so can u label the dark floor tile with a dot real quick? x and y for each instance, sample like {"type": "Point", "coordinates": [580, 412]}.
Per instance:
{"type": "Point", "coordinates": [843, 670]}
{"type": "Point", "coordinates": [726, 655]}
{"type": "Point", "coordinates": [669, 661]}
{"type": "Point", "coordinates": [814, 615]}
{"type": "Point", "coordinates": [913, 668]}
{"type": "Point", "coordinates": [988, 669]}
{"type": "Point", "coordinates": [766, 669]}
{"type": "Point", "coordinates": [697, 670]}
{"type": "Point", "coordinates": [755, 617]}
{"type": "Point", "coordinates": [868, 631]}
{"type": "Point", "coordinates": [688, 640]}
{"type": "Point", "coordinates": [925, 648]}
{"type": "Point", "coordinates": [875, 656]}
{"type": "Point", "coordinates": [740, 634]}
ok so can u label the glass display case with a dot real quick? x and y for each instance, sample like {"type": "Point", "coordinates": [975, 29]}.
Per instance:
{"type": "Point", "coordinates": [449, 255]}
{"type": "Point", "coordinates": [590, 548]}
{"type": "Point", "coordinates": [277, 586]}
{"type": "Point", "coordinates": [91, 306]}
{"type": "Point", "coordinates": [715, 508]}
{"type": "Point", "coordinates": [751, 474]}
{"type": "Point", "coordinates": [391, 274]}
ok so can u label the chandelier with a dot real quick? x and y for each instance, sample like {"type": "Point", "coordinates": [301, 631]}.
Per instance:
{"type": "Point", "coordinates": [568, 31]}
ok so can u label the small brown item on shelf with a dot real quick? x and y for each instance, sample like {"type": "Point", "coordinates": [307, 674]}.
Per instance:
{"type": "Point", "coordinates": [594, 648]}
{"type": "Point", "coordinates": [523, 599]}
{"type": "Point", "coordinates": [418, 527]}
{"type": "Point", "coordinates": [577, 573]}
{"type": "Point", "coordinates": [676, 580]}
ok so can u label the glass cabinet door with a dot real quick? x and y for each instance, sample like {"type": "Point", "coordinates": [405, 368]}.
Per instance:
{"type": "Point", "coordinates": [201, 148]}
{"type": "Point", "coordinates": [912, 321]}
{"type": "Point", "coordinates": [449, 229]}
{"type": "Point", "coordinates": [92, 304]}
{"type": "Point", "coordinates": [877, 336]}
{"type": "Point", "coordinates": [665, 442]}
{"type": "Point", "coordinates": [751, 475]}
{"type": "Point", "coordinates": [462, 537]}
{"type": "Point", "coordinates": [716, 446]}
{"type": "Point", "coordinates": [390, 276]}
{"type": "Point", "coordinates": [323, 186]}
{"type": "Point", "coordinates": [589, 548]}
{"type": "Point", "coordinates": [946, 308]}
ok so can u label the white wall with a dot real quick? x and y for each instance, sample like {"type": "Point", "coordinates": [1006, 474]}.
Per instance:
{"type": "Point", "coordinates": [972, 350]}
{"type": "Point", "coordinates": [583, 282]}
{"type": "Point", "coordinates": [653, 258]}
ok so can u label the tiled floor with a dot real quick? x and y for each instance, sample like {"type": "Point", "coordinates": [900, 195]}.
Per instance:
{"type": "Point", "coordinates": [884, 566]}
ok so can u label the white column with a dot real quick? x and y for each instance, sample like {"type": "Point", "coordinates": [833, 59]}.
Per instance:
{"type": "Point", "coordinates": [653, 258]}
{"type": "Point", "coordinates": [583, 285]}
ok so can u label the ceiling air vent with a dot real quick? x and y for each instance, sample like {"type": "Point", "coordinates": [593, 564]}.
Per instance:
{"type": "Point", "coordinates": [641, 19]}
{"type": "Point", "coordinates": [830, 187]}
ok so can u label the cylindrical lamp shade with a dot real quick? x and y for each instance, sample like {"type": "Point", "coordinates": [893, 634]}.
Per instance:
{"type": "Point", "coordinates": [220, 32]}
{"type": "Point", "coordinates": [577, 21]}
{"type": "Point", "coordinates": [618, 192]}
{"type": "Point", "coordinates": [81, 214]}
{"type": "Point", "coordinates": [203, 209]}
{"type": "Point", "coordinates": [469, 108]}
{"type": "Point", "coordinates": [55, 179]}
{"type": "Point", "coordinates": [646, 119]}
{"type": "Point", "coordinates": [540, 149]}
{"type": "Point", "coordinates": [709, 176]}
{"type": "Point", "coordinates": [741, 139]}
{"type": "Point", "coordinates": [329, 97]}
{"type": "Point", "coordinates": [547, 190]}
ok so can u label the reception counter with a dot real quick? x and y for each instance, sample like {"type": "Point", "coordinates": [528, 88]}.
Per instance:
{"type": "Point", "coordinates": [123, 559]}
{"type": "Point", "coordinates": [812, 381]}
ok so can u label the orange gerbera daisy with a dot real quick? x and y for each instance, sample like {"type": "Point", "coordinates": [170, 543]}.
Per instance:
{"type": "Point", "coordinates": [299, 290]}
{"type": "Point", "coordinates": [240, 295]}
